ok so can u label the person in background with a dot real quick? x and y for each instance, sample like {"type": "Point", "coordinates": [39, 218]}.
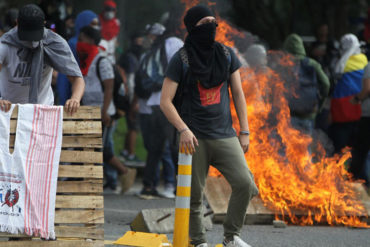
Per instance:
{"type": "Point", "coordinates": [1, 29]}
{"type": "Point", "coordinates": [325, 50]}
{"type": "Point", "coordinates": [303, 117]}
{"type": "Point", "coordinates": [256, 57]}
{"type": "Point", "coordinates": [366, 33]}
{"type": "Point", "coordinates": [28, 54]}
{"type": "Point", "coordinates": [99, 76]}
{"type": "Point", "coordinates": [110, 27]}
{"type": "Point", "coordinates": [128, 65]}
{"type": "Point", "coordinates": [259, 72]}
{"type": "Point", "coordinates": [204, 121]}
{"type": "Point", "coordinates": [85, 18]}
{"type": "Point", "coordinates": [361, 146]}
{"type": "Point", "coordinates": [349, 72]}
{"type": "Point", "coordinates": [155, 129]}
{"type": "Point", "coordinates": [160, 128]}
{"type": "Point", "coordinates": [67, 29]}
{"type": "Point", "coordinates": [10, 19]}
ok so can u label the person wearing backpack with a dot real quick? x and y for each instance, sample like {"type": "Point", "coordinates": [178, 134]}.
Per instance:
{"type": "Point", "coordinates": [308, 87]}
{"type": "Point", "coordinates": [98, 72]}
{"type": "Point", "coordinates": [158, 130]}
{"type": "Point", "coordinates": [203, 120]}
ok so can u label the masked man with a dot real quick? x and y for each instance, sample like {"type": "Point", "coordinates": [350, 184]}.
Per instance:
{"type": "Point", "coordinates": [110, 27]}
{"type": "Point", "coordinates": [204, 122]}
{"type": "Point", "coordinates": [28, 54]}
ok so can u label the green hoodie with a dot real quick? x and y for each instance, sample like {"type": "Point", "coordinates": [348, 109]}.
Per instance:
{"type": "Point", "coordinates": [294, 45]}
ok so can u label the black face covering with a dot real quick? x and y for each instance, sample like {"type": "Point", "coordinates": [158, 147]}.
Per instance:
{"type": "Point", "coordinates": [204, 35]}
{"type": "Point", "coordinates": [207, 59]}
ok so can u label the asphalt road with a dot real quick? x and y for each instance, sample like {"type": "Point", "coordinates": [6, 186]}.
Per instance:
{"type": "Point", "coordinates": [120, 210]}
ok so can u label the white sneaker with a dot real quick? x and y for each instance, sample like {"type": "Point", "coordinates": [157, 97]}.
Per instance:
{"type": "Point", "coordinates": [169, 192]}
{"type": "Point", "coordinates": [202, 245]}
{"type": "Point", "coordinates": [237, 242]}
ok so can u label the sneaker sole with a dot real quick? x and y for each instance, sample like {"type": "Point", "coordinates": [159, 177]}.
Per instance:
{"type": "Point", "coordinates": [148, 197]}
{"type": "Point", "coordinates": [135, 164]}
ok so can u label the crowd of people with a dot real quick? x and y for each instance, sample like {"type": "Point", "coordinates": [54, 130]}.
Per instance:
{"type": "Point", "coordinates": [327, 90]}
{"type": "Point", "coordinates": [149, 85]}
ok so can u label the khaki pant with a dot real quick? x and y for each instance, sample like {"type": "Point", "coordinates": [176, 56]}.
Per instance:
{"type": "Point", "coordinates": [227, 156]}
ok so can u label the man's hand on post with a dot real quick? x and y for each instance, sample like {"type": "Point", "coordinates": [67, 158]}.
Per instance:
{"type": "Point", "coordinates": [5, 105]}
{"type": "Point", "coordinates": [188, 141]}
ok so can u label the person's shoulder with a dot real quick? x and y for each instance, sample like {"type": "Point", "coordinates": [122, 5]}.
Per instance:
{"type": "Point", "coordinates": [174, 42]}
{"type": "Point", "coordinates": [228, 48]}
{"type": "Point", "coordinates": [4, 48]}
{"type": "Point", "coordinates": [313, 62]}
{"type": "Point", "coordinates": [229, 51]}
{"type": "Point", "coordinates": [102, 60]}
{"type": "Point", "coordinates": [52, 37]}
{"type": "Point", "coordinates": [173, 39]}
{"type": "Point", "coordinates": [3, 45]}
{"type": "Point", "coordinates": [177, 55]}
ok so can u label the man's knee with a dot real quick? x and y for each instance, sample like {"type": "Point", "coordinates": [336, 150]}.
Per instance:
{"type": "Point", "coordinates": [246, 185]}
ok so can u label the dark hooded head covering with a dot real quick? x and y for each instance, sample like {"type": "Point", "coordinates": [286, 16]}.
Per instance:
{"type": "Point", "coordinates": [207, 59]}
{"type": "Point", "coordinates": [194, 15]}
{"type": "Point", "coordinates": [83, 19]}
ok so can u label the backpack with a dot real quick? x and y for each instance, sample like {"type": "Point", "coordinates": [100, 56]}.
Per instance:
{"type": "Point", "coordinates": [121, 102]}
{"type": "Point", "coordinates": [303, 97]}
{"type": "Point", "coordinates": [150, 75]}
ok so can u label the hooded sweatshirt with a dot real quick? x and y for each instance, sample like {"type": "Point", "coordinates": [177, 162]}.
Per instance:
{"type": "Point", "coordinates": [83, 19]}
{"type": "Point", "coordinates": [63, 85]}
{"type": "Point", "coordinates": [294, 45]}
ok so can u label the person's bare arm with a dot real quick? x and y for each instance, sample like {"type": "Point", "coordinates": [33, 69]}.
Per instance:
{"type": "Point", "coordinates": [108, 95]}
{"type": "Point", "coordinates": [187, 138]}
{"type": "Point", "coordinates": [365, 92]}
{"type": "Point", "coordinates": [241, 108]}
{"type": "Point", "coordinates": [78, 88]}
{"type": "Point", "coordinates": [4, 104]}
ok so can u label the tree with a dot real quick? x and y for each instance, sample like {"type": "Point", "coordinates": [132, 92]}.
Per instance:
{"type": "Point", "coordinates": [273, 20]}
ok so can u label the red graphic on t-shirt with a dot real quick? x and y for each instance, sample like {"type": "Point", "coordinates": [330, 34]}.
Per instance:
{"type": "Point", "coordinates": [210, 96]}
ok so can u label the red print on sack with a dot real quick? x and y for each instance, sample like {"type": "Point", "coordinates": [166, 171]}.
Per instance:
{"type": "Point", "coordinates": [209, 96]}
{"type": "Point", "coordinates": [11, 198]}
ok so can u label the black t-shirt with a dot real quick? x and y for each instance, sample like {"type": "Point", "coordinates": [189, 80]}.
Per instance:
{"type": "Point", "coordinates": [208, 115]}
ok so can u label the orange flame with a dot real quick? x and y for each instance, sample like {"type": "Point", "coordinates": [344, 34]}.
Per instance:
{"type": "Point", "coordinates": [290, 183]}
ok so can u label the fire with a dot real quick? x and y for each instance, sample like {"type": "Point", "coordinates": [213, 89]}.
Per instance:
{"type": "Point", "coordinates": [291, 181]}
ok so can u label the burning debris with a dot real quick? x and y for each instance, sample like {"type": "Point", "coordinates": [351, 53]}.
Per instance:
{"type": "Point", "coordinates": [289, 177]}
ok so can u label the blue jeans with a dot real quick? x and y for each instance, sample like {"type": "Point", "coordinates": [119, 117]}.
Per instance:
{"type": "Point", "coordinates": [109, 172]}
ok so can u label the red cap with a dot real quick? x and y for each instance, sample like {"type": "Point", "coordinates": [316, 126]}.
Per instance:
{"type": "Point", "coordinates": [110, 3]}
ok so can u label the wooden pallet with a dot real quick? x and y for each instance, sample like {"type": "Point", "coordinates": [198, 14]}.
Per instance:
{"type": "Point", "coordinates": [218, 193]}
{"type": "Point", "coordinates": [79, 206]}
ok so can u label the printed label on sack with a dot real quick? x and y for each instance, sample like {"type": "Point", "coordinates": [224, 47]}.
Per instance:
{"type": "Point", "coordinates": [10, 190]}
